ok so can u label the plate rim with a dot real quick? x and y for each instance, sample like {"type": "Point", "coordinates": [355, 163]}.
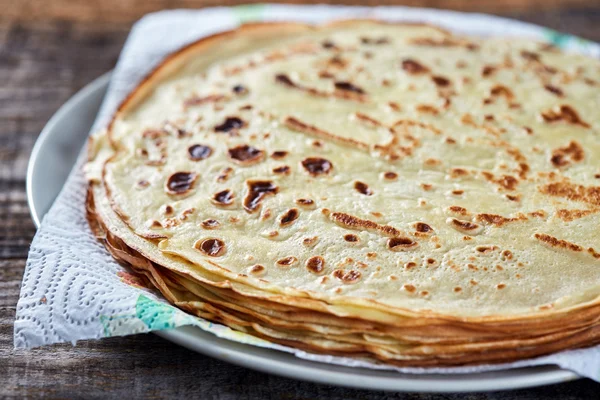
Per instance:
{"type": "Point", "coordinates": [242, 354]}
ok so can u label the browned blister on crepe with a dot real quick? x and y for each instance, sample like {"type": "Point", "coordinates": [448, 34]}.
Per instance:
{"type": "Point", "coordinates": [393, 192]}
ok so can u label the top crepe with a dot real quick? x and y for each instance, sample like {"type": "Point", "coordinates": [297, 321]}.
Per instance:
{"type": "Point", "coordinates": [397, 167]}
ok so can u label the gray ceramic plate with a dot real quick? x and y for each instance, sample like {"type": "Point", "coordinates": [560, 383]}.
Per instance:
{"type": "Point", "coordinates": [52, 158]}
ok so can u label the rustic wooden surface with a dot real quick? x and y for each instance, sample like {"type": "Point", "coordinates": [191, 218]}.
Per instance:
{"type": "Point", "coordinates": [50, 49]}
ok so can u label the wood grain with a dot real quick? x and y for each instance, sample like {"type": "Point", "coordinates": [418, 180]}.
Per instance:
{"type": "Point", "coordinates": [47, 52]}
{"type": "Point", "coordinates": [130, 10]}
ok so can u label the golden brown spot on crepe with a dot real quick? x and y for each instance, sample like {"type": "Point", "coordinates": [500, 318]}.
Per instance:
{"type": "Point", "coordinates": [257, 270]}
{"type": "Point", "coordinates": [390, 176]}
{"type": "Point", "coordinates": [343, 90]}
{"type": "Point", "coordinates": [196, 101]}
{"type": "Point", "coordinates": [554, 90]}
{"type": "Point", "coordinates": [431, 261]}
{"type": "Point", "coordinates": [410, 265]}
{"type": "Point", "coordinates": [258, 190]}
{"type": "Point", "coordinates": [310, 241]}
{"type": "Point", "coordinates": [223, 198]}
{"type": "Point", "coordinates": [278, 155]}
{"type": "Point", "coordinates": [315, 264]}
{"type": "Point", "coordinates": [337, 62]}
{"type": "Point", "coordinates": [426, 186]}
{"type": "Point", "coordinates": [230, 124]}
{"type": "Point", "coordinates": [349, 277]}
{"type": "Point", "coordinates": [571, 215]}
{"type": "Point", "coordinates": [458, 210]}
{"type": "Point", "coordinates": [211, 247]}
{"type": "Point", "coordinates": [457, 192]}
{"type": "Point", "coordinates": [225, 174]}
{"type": "Point", "coordinates": [285, 80]}
{"type": "Point", "coordinates": [168, 210]}
{"type": "Point", "coordinates": [464, 226]}
{"type": "Point", "coordinates": [174, 130]}
{"type": "Point", "coordinates": [530, 56]}
{"type": "Point", "coordinates": [486, 249]}
{"type": "Point", "coordinates": [564, 156]}
{"type": "Point", "coordinates": [413, 67]}
{"type": "Point", "coordinates": [375, 41]}
{"type": "Point", "coordinates": [409, 288]}
{"type": "Point", "coordinates": [401, 243]}
{"type": "Point", "coordinates": [328, 44]}
{"type": "Point", "coordinates": [306, 203]}
{"type": "Point", "coordinates": [362, 188]}
{"type": "Point", "coordinates": [210, 224]}
{"type": "Point", "coordinates": [395, 106]}
{"type": "Point", "coordinates": [501, 286]}
{"type": "Point", "coordinates": [289, 217]}
{"type": "Point", "coordinates": [458, 172]}
{"type": "Point", "coordinates": [154, 224]}
{"type": "Point", "coordinates": [457, 289]}
{"type": "Point", "coordinates": [348, 87]}
{"type": "Point", "coordinates": [507, 182]}
{"type": "Point", "coordinates": [422, 227]}
{"type": "Point", "coordinates": [371, 255]}
{"type": "Point", "coordinates": [282, 170]}
{"type": "Point", "coordinates": [432, 162]}
{"type": "Point", "coordinates": [498, 220]}
{"type": "Point", "coordinates": [199, 152]}
{"type": "Point", "coordinates": [180, 183]}
{"type": "Point", "coordinates": [326, 75]}
{"type": "Point", "coordinates": [593, 252]}
{"type": "Point", "coordinates": [141, 184]}
{"type": "Point", "coordinates": [564, 113]}
{"type": "Point", "coordinates": [316, 166]}
{"type": "Point", "coordinates": [441, 81]}
{"type": "Point", "coordinates": [245, 155]}
{"type": "Point", "coordinates": [287, 261]}
{"type": "Point", "coordinates": [472, 267]}
{"type": "Point", "coordinates": [365, 118]}
{"type": "Point", "coordinates": [351, 238]}
{"type": "Point", "coordinates": [488, 70]}
{"type": "Point", "coordinates": [573, 192]}
{"type": "Point", "coordinates": [239, 89]}
{"type": "Point", "coordinates": [513, 197]}
{"type": "Point", "coordinates": [299, 126]}
{"type": "Point", "coordinates": [443, 42]}
{"type": "Point", "coordinates": [501, 91]}
{"type": "Point", "coordinates": [557, 243]}
{"type": "Point", "coordinates": [427, 109]}
{"type": "Point", "coordinates": [351, 222]}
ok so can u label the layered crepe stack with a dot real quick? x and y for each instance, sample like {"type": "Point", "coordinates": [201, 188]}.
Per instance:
{"type": "Point", "coordinates": [390, 192]}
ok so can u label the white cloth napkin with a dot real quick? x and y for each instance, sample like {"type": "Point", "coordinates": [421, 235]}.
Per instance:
{"type": "Point", "coordinates": [72, 288]}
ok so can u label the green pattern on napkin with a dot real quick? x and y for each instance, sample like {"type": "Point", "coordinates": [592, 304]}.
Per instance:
{"type": "Point", "coordinates": [154, 314]}
{"type": "Point", "coordinates": [249, 12]}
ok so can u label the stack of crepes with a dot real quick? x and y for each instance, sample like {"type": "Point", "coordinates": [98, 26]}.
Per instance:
{"type": "Point", "coordinates": [390, 192]}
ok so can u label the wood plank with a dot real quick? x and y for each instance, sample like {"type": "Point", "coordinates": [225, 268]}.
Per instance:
{"type": "Point", "coordinates": [131, 10]}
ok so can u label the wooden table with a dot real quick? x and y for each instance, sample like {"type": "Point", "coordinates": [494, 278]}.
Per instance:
{"type": "Point", "coordinates": [50, 49]}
